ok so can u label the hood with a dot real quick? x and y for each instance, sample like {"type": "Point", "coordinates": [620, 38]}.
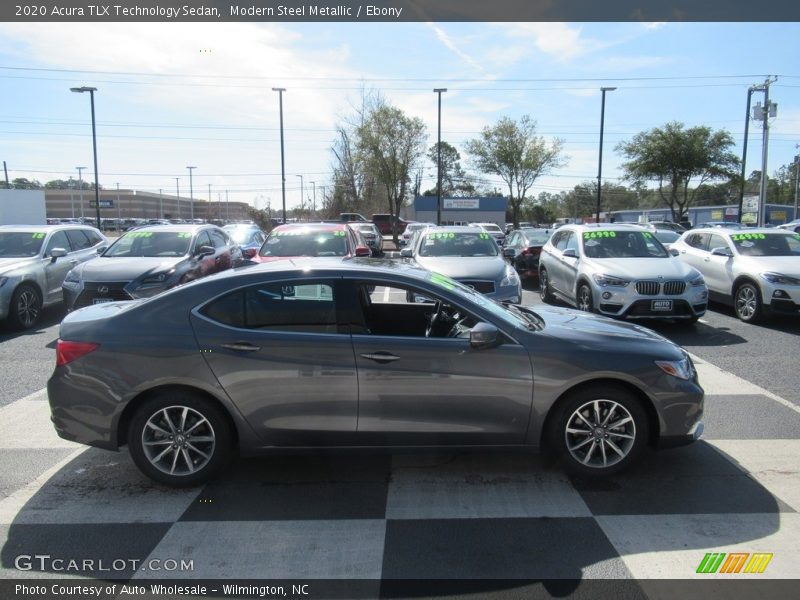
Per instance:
{"type": "Point", "coordinates": [125, 269]}
{"type": "Point", "coordinates": [785, 265]}
{"type": "Point", "coordinates": [643, 268]}
{"type": "Point", "coordinates": [578, 327]}
{"type": "Point", "coordinates": [11, 263]}
{"type": "Point", "coordinates": [465, 267]}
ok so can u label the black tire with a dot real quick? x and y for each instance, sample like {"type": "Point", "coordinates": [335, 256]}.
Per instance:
{"type": "Point", "coordinates": [207, 458]}
{"type": "Point", "coordinates": [583, 298]}
{"type": "Point", "coordinates": [571, 448]}
{"type": "Point", "coordinates": [25, 309]}
{"type": "Point", "coordinates": [747, 303]}
{"type": "Point", "coordinates": [544, 287]}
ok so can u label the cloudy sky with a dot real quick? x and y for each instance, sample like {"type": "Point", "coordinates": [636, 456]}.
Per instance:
{"type": "Point", "coordinates": [172, 94]}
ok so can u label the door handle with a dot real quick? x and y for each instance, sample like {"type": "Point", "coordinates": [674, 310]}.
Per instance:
{"type": "Point", "coordinates": [242, 347]}
{"type": "Point", "coordinates": [707, 259]}
{"type": "Point", "coordinates": [381, 357]}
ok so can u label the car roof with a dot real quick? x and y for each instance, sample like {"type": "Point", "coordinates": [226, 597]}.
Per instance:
{"type": "Point", "coordinates": [175, 227]}
{"type": "Point", "coordinates": [731, 231]}
{"type": "Point", "coordinates": [456, 229]}
{"type": "Point", "coordinates": [44, 228]}
{"type": "Point", "coordinates": [337, 226]}
{"type": "Point", "coordinates": [592, 226]}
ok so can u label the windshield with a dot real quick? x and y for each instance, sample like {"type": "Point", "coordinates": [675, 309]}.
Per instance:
{"type": "Point", "coordinates": [366, 228]}
{"type": "Point", "coordinates": [767, 244]}
{"type": "Point", "coordinates": [305, 242]}
{"type": "Point", "coordinates": [535, 236]}
{"type": "Point", "coordinates": [20, 244]}
{"type": "Point", "coordinates": [451, 243]}
{"type": "Point", "coordinates": [151, 244]}
{"type": "Point", "coordinates": [666, 236]}
{"type": "Point", "coordinates": [492, 228]}
{"type": "Point", "coordinates": [622, 244]}
{"type": "Point", "coordinates": [242, 236]}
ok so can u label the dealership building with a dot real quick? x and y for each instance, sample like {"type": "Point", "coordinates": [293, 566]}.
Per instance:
{"type": "Point", "coordinates": [459, 211]}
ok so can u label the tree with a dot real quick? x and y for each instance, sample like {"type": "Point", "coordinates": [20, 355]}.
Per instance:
{"type": "Point", "coordinates": [454, 179]}
{"type": "Point", "coordinates": [21, 183]}
{"type": "Point", "coordinates": [514, 152]}
{"type": "Point", "coordinates": [674, 157]}
{"type": "Point", "coordinates": [391, 144]}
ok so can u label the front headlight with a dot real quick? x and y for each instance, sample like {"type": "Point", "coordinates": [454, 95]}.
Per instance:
{"type": "Point", "coordinates": [609, 280]}
{"type": "Point", "coordinates": [157, 278]}
{"type": "Point", "coordinates": [682, 369]}
{"type": "Point", "coordinates": [72, 277]}
{"type": "Point", "coordinates": [698, 281]}
{"type": "Point", "coordinates": [510, 278]}
{"type": "Point", "coordinates": [780, 279]}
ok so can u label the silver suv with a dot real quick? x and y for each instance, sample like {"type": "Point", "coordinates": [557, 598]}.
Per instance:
{"type": "Point", "coordinates": [620, 271]}
{"type": "Point", "coordinates": [34, 259]}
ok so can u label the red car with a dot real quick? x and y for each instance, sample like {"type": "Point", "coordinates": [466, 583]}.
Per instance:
{"type": "Point", "coordinates": [311, 239]}
{"type": "Point", "coordinates": [384, 223]}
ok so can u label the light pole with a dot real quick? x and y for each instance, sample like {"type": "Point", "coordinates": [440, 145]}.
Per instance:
{"type": "Point", "coordinates": [71, 196]}
{"type": "Point", "coordinates": [80, 187]}
{"type": "Point", "coordinates": [302, 198]}
{"type": "Point", "coordinates": [750, 91]}
{"type": "Point", "coordinates": [796, 182]}
{"type": "Point", "coordinates": [160, 204]}
{"type": "Point", "coordinates": [439, 160]}
{"type": "Point", "coordinates": [600, 159]}
{"type": "Point", "coordinates": [191, 194]}
{"type": "Point", "coordinates": [91, 91]}
{"type": "Point", "coordinates": [227, 208]}
{"type": "Point", "coordinates": [283, 166]}
{"type": "Point", "coordinates": [119, 209]}
{"type": "Point", "coordinates": [314, 200]}
{"type": "Point", "coordinates": [178, 194]}
{"type": "Point", "coordinates": [208, 207]}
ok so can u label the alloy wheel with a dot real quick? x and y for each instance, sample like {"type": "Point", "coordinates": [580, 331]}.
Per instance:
{"type": "Point", "coordinates": [600, 433]}
{"type": "Point", "coordinates": [28, 308]}
{"type": "Point", "coordinates": [178, 440]}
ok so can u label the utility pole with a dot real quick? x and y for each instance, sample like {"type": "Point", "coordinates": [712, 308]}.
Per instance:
{"type": "Point", "coordinates": [796, 182]}
{"type": "Point", "coordinates": [80, 187]}
{"type": "Point", "coordinates": [178, 194]}
{"type": "Point", "coordinates": [160, 204]}
{"type": "Point", "coordinates": [191, 194]}
{"type": "Point", "coordinates": [439, 159]}
{"type": "Point", "coordinates": [283, 164]}
{"type": "Point", "coordinates": [119, 208]}
{"type": "Point", "coordinates": [769, 109]}
{"type": "Point", "coordinates": [314, 201]}
{"type": "Point", "coordinates": [227, 208]}
{"type": "Point", "coordinates": [600, 156]}
{"type": "Point", "coordinates": [750, 91]}
{"type": "Point", "coordinates": [5, 170]}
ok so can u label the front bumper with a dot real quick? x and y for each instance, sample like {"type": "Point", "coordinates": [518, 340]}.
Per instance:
{"type": "Point", "coordinates": [627, 303]}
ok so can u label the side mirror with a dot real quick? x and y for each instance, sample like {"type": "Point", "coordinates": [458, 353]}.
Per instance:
{"type": "Point", "coordinates": [483, 335]}
{"type": "Point", "coordinates": [509, 252]}
{"type": "Point", "coordinates": [204, 251]}
{"type": "Point", "coordinates": [674, 252]}
{"type": "Point", "coordinates": [363, 251]}
{"type": "Point", "coordinates": [406, 253]}
{"type": "Point", "coordinates": [57, 253]}
{"type": "Point", "coordinates": [721, 252]}
{"type": "Point", "coordinates": [569, 253]}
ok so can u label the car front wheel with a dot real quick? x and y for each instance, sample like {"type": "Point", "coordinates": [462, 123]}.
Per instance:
{"type": "Point", "coordinates": [747, 303]}
{"type": "Point", "coordinates": [599, 431]}
{"type": "Point", "coordinates": [584, 298]}
{"type": "Point", "coordinates": [26, 307]}
{"type": "Point", "coordinates": [180, 439]}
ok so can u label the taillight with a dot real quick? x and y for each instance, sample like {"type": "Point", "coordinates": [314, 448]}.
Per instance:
{"type": "Point", "coordinates": [66, 351]}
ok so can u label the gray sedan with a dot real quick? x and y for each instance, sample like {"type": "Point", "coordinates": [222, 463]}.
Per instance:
{"type": "Point", "coordinates": [469, 255]}
{"type": "Point", "coordinates": [305, 353]}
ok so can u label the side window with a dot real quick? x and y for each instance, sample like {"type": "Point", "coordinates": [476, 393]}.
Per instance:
{"type": "Point", "coordinates": [572, 242]}
{"type": "Point", "coordinates": [306, 308]}
{"type": "Point", "coordinates": [57, 240]}
{"type": "Point", "coordinates": [717, 241]}
{"type": "Point", "coordinates": [218, 239]}
{"type": "Point", "coordinates": [78, 239]}
{"type": "Point", "coordinates": [202, 240]}
{"type": "Point", "coordinates": [93, 236]}
{"type": "Point", "coordinates": [697, 240]}
{"type": "Point", "coordinates": [560, 240]}
{"type": "Point", "coordinates": [512, 240]}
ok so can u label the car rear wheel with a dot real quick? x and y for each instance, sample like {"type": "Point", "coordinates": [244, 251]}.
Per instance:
{"type": "Point", "coordinates": [26, 307]}
{"type": "Point", "coordinates": [599, 431]}
{"type": "Point", "coordinates": [180, 439]}
{"type": "Point", "coordinates": [544, 287]}
{"type": "Point", "coordinates": [584, 298]}
{"type": "Point", "coordinates": [747, 303]}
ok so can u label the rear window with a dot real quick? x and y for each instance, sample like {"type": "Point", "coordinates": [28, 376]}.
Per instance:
{"type": "Point", "coordinates": [449, 243]}
{"type": "Point", "coordinates": [305, 242]}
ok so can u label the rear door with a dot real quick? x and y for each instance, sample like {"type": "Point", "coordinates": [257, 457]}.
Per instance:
{"type": "Point", "coordinates": [278, 352]}
{"type": "Point", "coordinates": [718, 270]}
{"type": "Point", "coordinates": [56, 269]}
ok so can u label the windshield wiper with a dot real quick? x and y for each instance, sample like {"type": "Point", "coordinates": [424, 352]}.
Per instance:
{"type": "Point", "coordinates": [533, 320]}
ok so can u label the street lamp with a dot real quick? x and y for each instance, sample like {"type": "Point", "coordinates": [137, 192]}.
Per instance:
{"type": "Point", "coordinates": [439, 160]}
{"type": "Point", "coordinates": [302, 197]}
{"type": "Point", "coordinates": [314, 201]}
{"type": "Point", "coordinates": [283, 171]}
{"type": "Point", "coordinates": [80, 188]}
{"type": "Point", "coordinates": [600, 160]}
{"type": "Point", "coordinates": [91, 91]}
{"type": "Point", "coordinates": [178, 194]}
{"type": "Point", "coordinates": [191, 194]}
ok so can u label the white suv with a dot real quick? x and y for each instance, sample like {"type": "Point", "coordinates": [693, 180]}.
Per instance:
{"type": "Point", "coordinates": [621, 271]}
{"type": "Point", "coordinates": [755, 270]}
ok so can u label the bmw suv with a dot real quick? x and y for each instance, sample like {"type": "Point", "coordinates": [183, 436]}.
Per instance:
{"type": "Point", "coordinates": [620, 271]}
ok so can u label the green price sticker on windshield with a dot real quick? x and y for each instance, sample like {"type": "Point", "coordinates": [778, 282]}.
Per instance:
{"type": "Point", "coordinates": [338, 233]}
{"type": "Point", "coordinates": [647, 234]}
{"type": "Point", "coordinates": [740, 237]}
{"type": "Point", "coordinates": [441, 236]}
{"type": "Point", "coordinates": [141, 234]}
{"type": "Point", "coordinates": [484, 236]}
{"type": "Point", "coordinates": [38, 236]}
{"type": "Point", "coordinates": [587, 235]}
{"type": "Point", "coordinates": [442, 281]}
{"type": "Point", "coordinates": [184, 235]}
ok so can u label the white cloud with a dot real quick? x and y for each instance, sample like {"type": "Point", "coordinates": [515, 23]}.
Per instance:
{"type": "Point", "coordinates": [442, 36]}
{"type": "Point", "coordinates": [558, 40]}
